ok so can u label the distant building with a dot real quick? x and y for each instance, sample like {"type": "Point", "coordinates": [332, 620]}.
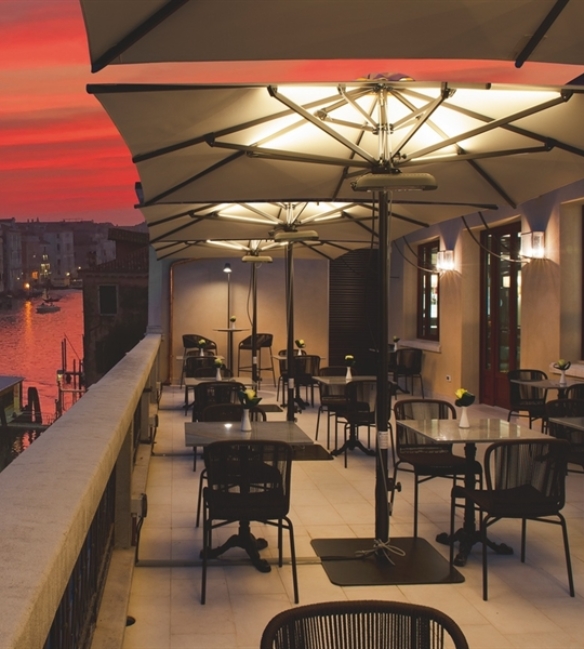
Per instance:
{"type": "Point", "coordinates": [11, 269]}
{"type": "Point", "coordinates": [115, 303]}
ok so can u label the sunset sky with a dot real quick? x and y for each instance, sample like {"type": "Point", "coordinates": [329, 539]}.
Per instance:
{"type": "Point", "coordinates": [60, 156]}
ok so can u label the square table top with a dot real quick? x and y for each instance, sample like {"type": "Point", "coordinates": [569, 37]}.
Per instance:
{"type": "Point", "coordinates": [548, 384]}
{"type": "Point", "coordinates": [201, 433]}
{"type": "Point", "coordinates": [337, 380]}
{"type": "Point", "coordinates": [480, 430]}
{"type": "Point", "coordinates": [572, 422]}
{"type": "Point", "coordinates": [192, 380]}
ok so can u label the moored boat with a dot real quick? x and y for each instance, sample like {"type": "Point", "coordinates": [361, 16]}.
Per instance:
{"type": "Point", "coordinates": [47, 307]}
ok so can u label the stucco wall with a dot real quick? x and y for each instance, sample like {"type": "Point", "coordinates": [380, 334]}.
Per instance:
{"type": "Point", "coordinates": [199, 304]}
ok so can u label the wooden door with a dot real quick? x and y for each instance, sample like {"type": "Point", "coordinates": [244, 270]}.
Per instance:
{"type": "Point", "coordinates": [500, 311]}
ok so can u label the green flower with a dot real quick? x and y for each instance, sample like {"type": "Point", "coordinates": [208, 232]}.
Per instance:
{"type": "Point", "coordinates": [300, 343]}
{"type": "Point", "coordinates": [201, 342]}
{"type": "Point", "coordinates": [396, 339]}
{"type": "Point", "coordinates": [464, 398]}
{"type": "Point", "coordinates": [232, 318]}
{"type": "Point", "coordinates": [349, 360]}
{"type": "Point", "coordinates": [219, 362]}
{"type": "Point", "coordinates": [249, 398]}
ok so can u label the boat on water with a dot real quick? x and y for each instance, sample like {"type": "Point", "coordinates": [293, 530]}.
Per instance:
{"type": "Point", "coordinates": [48, 307]}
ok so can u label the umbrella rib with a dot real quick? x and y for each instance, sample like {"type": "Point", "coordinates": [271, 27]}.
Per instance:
{"type": "Point", "coordinates": [276, 154]}
{"type": "Point", "coordinates": [321, 125]}
{"type": "Point", "coordinates": [489, 126]}
{"type": "Point", "coordinates": [426, 113]}
{"type": "Point", "coordinates": [192, 179]}
{"type": "Point", "coordinates": [132, 37]}
{"type": "Point", "coordinates": [168, 219]}
{"type": "Point", "coordinates": [493, 184]}
{"type": "Point", "coordinates": [455, 157]}
{"type": "Point", "coordinates": [540, 32]}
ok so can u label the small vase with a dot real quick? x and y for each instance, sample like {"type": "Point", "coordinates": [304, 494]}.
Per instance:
{"type": "Point", "coordinates": [563, 377]}
{"type": "Point", "coordinates": [463, 422]}
{"type": "Point", "coordinates": [218, 376]}
{"type": "Point", "coordinates": [201, 351]}
{"type": "Point", "coordinates": [232, 325]}
{"type": "Point", "coordinates": [245, 421]}
{"type": "Point", "coordinates": [348, 375]}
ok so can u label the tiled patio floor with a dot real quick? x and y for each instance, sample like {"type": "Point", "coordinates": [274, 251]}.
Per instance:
{"type": "Point", "coordinates": [528, 607]}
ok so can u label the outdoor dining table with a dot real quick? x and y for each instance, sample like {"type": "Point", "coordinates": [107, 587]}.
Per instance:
{"type": "Point", "coordinates": [550, 384]}
{"type": "Point", "coordinates": [577, 423]}
{"type": "Point", "coordinates": [202, 433]}
{"type": "Point", "coordinates": [480, 431]}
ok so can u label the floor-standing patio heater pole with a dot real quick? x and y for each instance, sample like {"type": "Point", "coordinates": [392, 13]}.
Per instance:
{"type": "Point", "coordinates": [254, 327]}
{"type": "Point", "coordinates": [382, 414]}
{"type": "Point", "coordinates": [290, 329]}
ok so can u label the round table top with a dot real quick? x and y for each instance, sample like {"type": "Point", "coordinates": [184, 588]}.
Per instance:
{"type": "Point", "coordinates": [228, 329]}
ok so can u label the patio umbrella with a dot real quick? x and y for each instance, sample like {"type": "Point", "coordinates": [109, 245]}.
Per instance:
{"type": "Point", "coordinates": [471, 145]}
{"type": "Point", "coordinates": [149, 31]}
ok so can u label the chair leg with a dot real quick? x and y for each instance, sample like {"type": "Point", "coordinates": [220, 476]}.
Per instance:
{"type": "Point", "coordinates": [207, 541]}
{"type": "Point", "coordinates": [567, 551]}
{"type": "Point", "coordinates": [293, 560]}
{"type": "Point", "coordinates": [200, 498]}
{"type": "Point", "coordinates": [416, 505]}
{"type": "Point", "coordinates": [523, 535]}
{"type": "Point", "coordinates": [483, 529]}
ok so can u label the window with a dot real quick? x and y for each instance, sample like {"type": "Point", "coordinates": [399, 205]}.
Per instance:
{"type": "Point", "coordinates": [428, 321]}
{"type": "Point", "coordinates": [108, 300]}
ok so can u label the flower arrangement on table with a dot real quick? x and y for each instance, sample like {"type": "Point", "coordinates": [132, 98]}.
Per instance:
{"type": "Point", "coordinates": [249, 398]}
{"type": "Point", "coordinates": [300, 343]}
{"type": "Point", "coordinates": [463, 398]}
{"type": "Point", "coordinates": [395, 340]}
{"type": "Point", "coordinates": [201, 343]}
{"type": "Point", "coordinates": [562, 364]}
{"type": "Point", "coordinates": [349, 362]}
{"type": "Point", "coordinates": [219, 365]}
{"type": "Point", "coordinates": [232, 318]}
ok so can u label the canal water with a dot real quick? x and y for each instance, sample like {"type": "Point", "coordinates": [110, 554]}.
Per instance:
{"type": "Point", "coordinates": [30, 346]}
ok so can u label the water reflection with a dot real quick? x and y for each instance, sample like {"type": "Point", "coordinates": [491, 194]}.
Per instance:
{"type": "Point", "coordinates": [30, 346]}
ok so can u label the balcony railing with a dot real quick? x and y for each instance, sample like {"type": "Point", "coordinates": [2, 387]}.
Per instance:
{"type": "Point", "coordinates": [66, 503]}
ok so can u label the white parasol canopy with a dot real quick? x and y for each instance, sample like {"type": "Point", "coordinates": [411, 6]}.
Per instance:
{"type": "Point", "coordinates": [150, 31]}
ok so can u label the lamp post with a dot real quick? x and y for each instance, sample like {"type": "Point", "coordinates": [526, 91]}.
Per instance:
{"type": "Point", "coordinates": [227, 271]}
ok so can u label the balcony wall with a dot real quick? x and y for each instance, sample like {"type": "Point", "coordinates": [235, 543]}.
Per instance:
{"type": "Point", "coordinates": [49, 495]}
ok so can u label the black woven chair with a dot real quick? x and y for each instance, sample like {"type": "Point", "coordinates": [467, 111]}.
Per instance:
{"type": "Point", "coordinates": [227, 412]}
{"type": "Point", "coordinates": [332, 399]}
{"type": "Point", "coordinates": [306, 367]}
{"type": "Point", "coordinates": [408, 363]}
{"type": "Point", "coordinates": [360, 410]}
{"type": "Point", "coordinates": [193, 365]}
{"type": "Point", "coordinates": [575, 391]}
{"type": "Point", "coordinates": [191, 348]}
{"type": "Point", "coordinates": [567, 408]}
{"type": "Point", "coordinates": [527, 400]}
{"type": "Point", "coordinates": [362, 624]}
{"type": "Point", "coordinates": [428, 458]}
{"type": "Point", "coordinates": [247, 481]}
{"type": "Point", "coordinates": [525, 479]}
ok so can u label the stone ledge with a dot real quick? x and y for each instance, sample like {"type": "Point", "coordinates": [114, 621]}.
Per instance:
{"type": "Point", "coordinates": [111, 620]}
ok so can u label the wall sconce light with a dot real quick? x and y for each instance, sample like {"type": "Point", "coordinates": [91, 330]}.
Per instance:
{"type": "Point", "coordinates": [445, 260]}
{"type": "Point", "coordinates": [533, 245]}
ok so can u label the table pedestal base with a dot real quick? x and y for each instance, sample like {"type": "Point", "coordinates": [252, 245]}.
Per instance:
{"type": "Point", "coordinates": [246, 540]}
{"type": "Point", "coordinates": [466, 540]}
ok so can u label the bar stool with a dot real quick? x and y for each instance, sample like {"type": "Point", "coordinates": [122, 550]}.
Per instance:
{"type": "Point", "coordinates": [263, 341]}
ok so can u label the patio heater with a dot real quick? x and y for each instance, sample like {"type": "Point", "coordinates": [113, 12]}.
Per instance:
{"type": "Point", "coordinates": [255, 259]}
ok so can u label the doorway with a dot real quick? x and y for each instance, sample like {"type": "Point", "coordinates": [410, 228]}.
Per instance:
{"type": "Point", "coordinates": [500, 311]}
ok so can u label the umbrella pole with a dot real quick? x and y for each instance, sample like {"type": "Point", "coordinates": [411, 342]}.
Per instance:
{"type": "Point", "coordinates": [254, 328]}
{"type": "Point", "coordinates": [290, 327]}
{"type": "Point", "coordinates": [382, 414]}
